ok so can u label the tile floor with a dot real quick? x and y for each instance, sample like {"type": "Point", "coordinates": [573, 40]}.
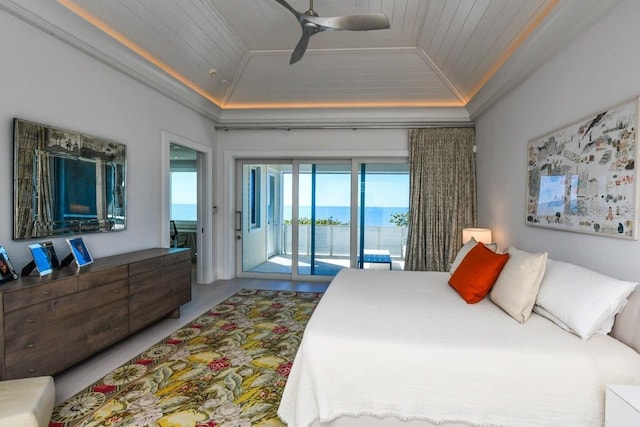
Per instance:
{"type": "Point", "coordinates": [203, 297]}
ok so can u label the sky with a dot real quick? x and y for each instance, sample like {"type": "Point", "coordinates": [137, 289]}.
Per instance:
{"type": "Point", "coordinates": [184, 188]}
{"type": "Point", "coordinates": [334, 190]}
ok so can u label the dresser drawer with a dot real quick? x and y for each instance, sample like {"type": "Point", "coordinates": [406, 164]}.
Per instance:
{"type": "Point", "coordinates": [55, 359]}
{"type": "Point", "coordinates": [62, 344]}
{"type": "Point", "coordinates": [149, 265]}
{"type": "Point", "coordinates": [30, 295]}
{"type": "Point", "coordinates": [99, 278]}
{"type": "Point", "coordinates": [39, 316]}
{"type": "Point", "coordinates": [166, 299]}
{"type": "Point", "coordinates": [84, 326]}
{"type": "Point", "coordinates": [177, 257]}
{"type": "Point", "coordinates": [155, 281]}
{"type": "Point", "coordinates": [149, 313]}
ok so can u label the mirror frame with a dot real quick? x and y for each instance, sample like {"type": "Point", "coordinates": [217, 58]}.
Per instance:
{"type": "Point", "coordinates": [41, 150]}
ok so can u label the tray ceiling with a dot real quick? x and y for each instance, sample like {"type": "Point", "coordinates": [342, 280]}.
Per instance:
{"type": "Point", "coordinates": [437, 53]}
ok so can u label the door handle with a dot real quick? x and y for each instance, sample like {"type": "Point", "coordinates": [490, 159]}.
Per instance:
{"type": "Point", "coordinates": [238, 221]}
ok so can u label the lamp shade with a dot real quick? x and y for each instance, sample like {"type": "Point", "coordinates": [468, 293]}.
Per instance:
{"type": "Point", "coordinates": [479, 234]}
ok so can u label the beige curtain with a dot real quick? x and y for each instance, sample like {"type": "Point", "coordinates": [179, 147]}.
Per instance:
{"type": "Point", "coordinates": [33, 184]}
{"type": "Point", "coordinates": [442, 173]}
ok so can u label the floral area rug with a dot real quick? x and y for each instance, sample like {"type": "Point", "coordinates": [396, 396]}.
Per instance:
{"type": "Point", "coordinates": [227, 368]}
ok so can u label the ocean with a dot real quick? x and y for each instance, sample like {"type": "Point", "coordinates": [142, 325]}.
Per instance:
{"type": "Point", "coordinates": [184, 212]}
{"type": "Point", "coordinates": [374, 216]}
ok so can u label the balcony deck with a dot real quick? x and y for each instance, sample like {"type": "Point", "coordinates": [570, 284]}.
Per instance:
{"type": "Point", "coordinates": [324, 266]}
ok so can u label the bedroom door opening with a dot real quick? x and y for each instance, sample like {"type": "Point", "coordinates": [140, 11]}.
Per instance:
{"type": "Point", "coordinates": [197, 160]}
{"type": "Point", "coordinates": [183, 196]}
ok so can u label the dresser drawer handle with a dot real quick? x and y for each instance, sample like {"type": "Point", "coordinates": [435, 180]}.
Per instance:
{"type": "Point", "coordinates": [31, 345]}
{"type": "Point", "coordinates": [46, 292]}
{"type": "Point", "coordinates": [117, 291]}
{"type": "Point", "coordinates": [31, 371]}
{"type": "Point", "coordinates": [31, 321]}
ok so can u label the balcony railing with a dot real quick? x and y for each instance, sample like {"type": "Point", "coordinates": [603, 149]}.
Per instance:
{"type": "Point", "coordinates": [333, 240]}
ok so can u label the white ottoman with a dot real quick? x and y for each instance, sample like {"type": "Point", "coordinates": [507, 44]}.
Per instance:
{"type": "Point", "coordinates": [26, 402]}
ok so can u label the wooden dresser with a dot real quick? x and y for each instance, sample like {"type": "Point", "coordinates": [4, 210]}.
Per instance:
{"type": "Point", "coordinates": [50, 323]}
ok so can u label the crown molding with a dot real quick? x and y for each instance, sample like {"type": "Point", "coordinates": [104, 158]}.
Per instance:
{"type": "Point", "coordinates": [344, 118]}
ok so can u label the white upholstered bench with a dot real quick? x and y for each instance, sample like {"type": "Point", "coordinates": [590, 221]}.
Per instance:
{"type": "Point", "coordinates": [26, 402]}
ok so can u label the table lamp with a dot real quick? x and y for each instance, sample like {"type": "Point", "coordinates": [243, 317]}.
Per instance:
{"type": "Point", "coordinates": [479, 234]}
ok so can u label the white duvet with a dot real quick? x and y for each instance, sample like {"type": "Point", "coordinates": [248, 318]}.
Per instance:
{"type": "Point", "coordinates": [404, 344]}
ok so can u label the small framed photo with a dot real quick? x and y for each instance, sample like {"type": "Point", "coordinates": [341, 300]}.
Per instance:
{"type": "Point", "coordinates": [41, 258]}
{"type": "Point", "coordinates": [7, 272]}
{"type": "Point", "coordinates": [80, 252]}
{"type": "Point", "coordinates": [51, 251]}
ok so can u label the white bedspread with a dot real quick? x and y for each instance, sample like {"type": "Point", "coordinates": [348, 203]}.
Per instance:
{"type": "Point", "coordinates": [404, 344]}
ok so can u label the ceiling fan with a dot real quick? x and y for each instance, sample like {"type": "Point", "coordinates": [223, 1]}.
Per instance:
{"type": "Point", "coordinates": [311, 24]}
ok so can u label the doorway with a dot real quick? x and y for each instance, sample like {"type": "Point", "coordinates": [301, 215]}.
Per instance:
{"type": "Point", "coordinates": [183, 169]}
{"type": "Point", "coordinates": [294, 218]}
{"type": "Point", "coordinates": [188, 164]}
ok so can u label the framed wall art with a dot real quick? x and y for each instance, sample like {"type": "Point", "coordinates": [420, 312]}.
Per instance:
{"type": "Point", "coordinates": [583, 178]}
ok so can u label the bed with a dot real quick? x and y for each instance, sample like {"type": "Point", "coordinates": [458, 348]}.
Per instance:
{"type": "Point", "coordinates": [391, 347]}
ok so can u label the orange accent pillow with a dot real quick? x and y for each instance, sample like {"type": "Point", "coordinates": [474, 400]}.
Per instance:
{"type": "Point", "coordinates": [477, 273]}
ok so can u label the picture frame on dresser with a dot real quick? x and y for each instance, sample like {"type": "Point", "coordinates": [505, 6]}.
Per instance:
{"type": "Point", "coordinates": [80, 251]}
{"type": "Point", "coordinates": [51, 251]}
{"type": "Point", "coordinates": [41, 258]}
{"type": "Point", "coordinates": [7, 272]}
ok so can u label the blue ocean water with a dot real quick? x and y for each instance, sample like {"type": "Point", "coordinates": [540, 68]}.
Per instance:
{"type": "Point", "coordinates": [373, 216]}
{"type": "Point", "coordinates": [184, 212]}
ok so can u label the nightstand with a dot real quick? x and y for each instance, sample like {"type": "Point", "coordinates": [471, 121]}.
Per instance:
{"type": "Point", "coordinates": [622, 407]}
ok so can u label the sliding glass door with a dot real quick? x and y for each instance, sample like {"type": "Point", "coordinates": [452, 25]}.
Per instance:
{"type": "Point", "coordinates": [324, 218]}
{"type": "Point", "coordinates": [383, 214]}
{"type": "Point", "coordinates": [260, 220]}
{"type": "Point", "coordinates": [294, 218]}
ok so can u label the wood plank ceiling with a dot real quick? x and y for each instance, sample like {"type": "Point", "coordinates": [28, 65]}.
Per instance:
{"type": "Point", "coordinates": [436, 53]}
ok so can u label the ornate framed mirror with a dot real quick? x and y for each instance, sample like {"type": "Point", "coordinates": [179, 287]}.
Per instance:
{"type": "Point", "coordinates": [66, 182]}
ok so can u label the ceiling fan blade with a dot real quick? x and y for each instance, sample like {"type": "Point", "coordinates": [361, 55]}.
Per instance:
{"type": "Point", "coordinates": [365, 22]}
{"type": "Point", "coordinates": [288, 6]}
{"type": "Point", "coordinates": [311, 23]}
{"type": "Point", "coordinates": [301, 47]}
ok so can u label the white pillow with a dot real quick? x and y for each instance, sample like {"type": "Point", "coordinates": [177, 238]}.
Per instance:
{"type": "Point", "coordinates": [517, 286]}
{"type": "Point", "coordinates": [464, 250]}
{"type": "Point", "coordinates": [580, 300]}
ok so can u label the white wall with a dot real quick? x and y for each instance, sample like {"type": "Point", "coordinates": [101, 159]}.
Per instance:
{"type": "Point", "coordinates": [293, 144]}
{"type": "Point", "coordinates": [598, 70]}
{"type": "Point", "coordinates": [45, 80]}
